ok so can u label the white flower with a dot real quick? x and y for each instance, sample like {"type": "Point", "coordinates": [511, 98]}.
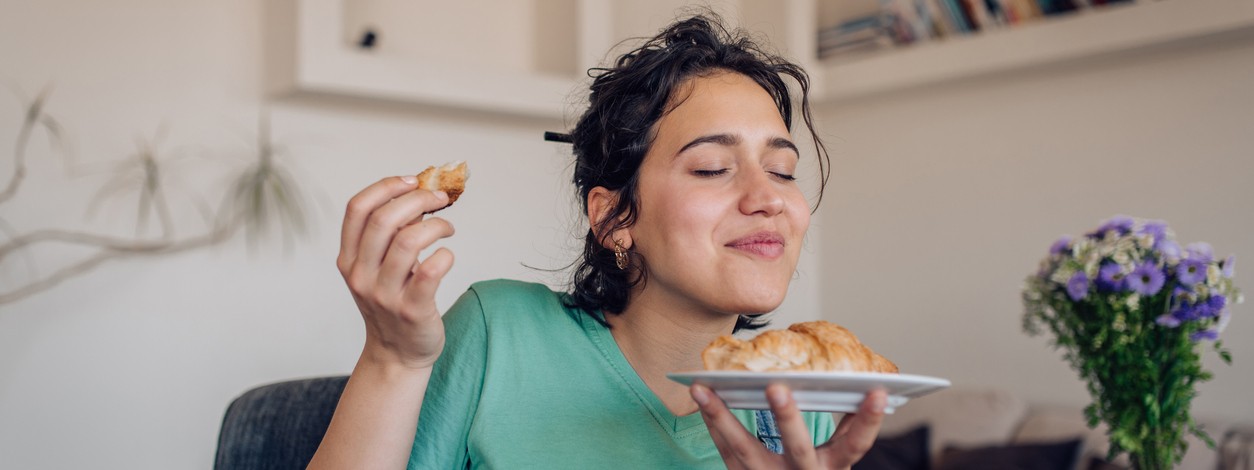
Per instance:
{"type": "Point", "coordinates": [1122, 257]}
{"type": "Point", "coordinates": [1063, 274]}
{"type": "Point", "coordinates": [1134, 302]}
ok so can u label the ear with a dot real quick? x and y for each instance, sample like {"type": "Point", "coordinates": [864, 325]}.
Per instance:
{"type": "Point", "coordinates": [601, 202]}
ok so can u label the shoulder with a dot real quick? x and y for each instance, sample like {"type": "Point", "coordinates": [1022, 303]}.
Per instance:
{"type": "Point", "coordinates": [514, 295]}
{"type": "Point", "coordinates": [507, 300]}
{"type": "Point", "coordinates": [514, 289]}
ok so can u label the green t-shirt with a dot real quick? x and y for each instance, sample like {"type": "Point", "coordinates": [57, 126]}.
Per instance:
{"type": "Point", "coordinates": [525, 382]}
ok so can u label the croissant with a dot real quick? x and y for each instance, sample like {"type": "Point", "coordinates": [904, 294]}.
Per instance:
{"type": "Point", "coordinates": [450, 178]}
{"type": "Point", "coordinates": [810, 346]}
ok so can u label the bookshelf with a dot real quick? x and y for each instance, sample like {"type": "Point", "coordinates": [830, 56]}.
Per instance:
{"type": "Point", "coordinates": [1090, 34]}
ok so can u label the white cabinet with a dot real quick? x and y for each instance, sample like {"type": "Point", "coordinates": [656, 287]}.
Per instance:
{"type": "Point", "coordinates": [516, 57]}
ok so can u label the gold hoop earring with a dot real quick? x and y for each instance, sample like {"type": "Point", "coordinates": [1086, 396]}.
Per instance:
{"type": "Point", "coordinates": [620, 255]}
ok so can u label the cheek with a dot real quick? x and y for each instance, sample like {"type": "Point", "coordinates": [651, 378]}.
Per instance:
{"type": "Point", "coordinates": [798, 212]}
{"type": "Point", "coordinates": [692, 218]}
{"type": "Point", "coordinates": [686, 220]}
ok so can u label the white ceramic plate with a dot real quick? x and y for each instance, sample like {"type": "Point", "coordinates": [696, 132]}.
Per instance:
{"type": "Point", "coordinates": [814, 391]}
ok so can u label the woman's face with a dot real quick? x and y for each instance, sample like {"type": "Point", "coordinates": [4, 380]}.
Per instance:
{"type": "Point", "coordinates": [720, 220]}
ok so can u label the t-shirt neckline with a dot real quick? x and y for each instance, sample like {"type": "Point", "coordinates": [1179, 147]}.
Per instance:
{"type": "Point", "coordinates": [675, 425]}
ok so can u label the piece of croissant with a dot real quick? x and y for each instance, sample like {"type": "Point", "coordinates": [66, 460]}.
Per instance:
{"type": "Point", "coordinates": [450, 178]}
{"type": "Point", "coordinates": [811, 346]}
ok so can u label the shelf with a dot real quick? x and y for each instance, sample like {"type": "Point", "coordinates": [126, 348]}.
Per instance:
{"type": "Point", "coordinates": [309, 51]}
{"type": "Point", "coordinates": [1092, 33]}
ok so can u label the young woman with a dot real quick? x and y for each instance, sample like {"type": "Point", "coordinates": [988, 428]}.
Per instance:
{"type": "Point", "coordinates": [686, 170]}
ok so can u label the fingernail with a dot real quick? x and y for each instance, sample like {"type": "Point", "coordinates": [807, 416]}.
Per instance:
{"type": "Point", "coordinates": [409, 179]}
{"type": "Point", "coordinates": [700, 394]}
{"type": "Point", "coordinates": [441, 195]}
{"type": "Point", "coordinates": [878, 402]}
{"type": "Point", "coordinates": [777, 395]}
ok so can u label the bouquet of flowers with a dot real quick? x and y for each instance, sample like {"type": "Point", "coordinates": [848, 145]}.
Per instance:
{"type": "Point", "coordinates": [1130, 309]}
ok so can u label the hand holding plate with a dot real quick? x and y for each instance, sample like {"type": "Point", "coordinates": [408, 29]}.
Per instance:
{"type": "Point", "coordinates": [740, 450]}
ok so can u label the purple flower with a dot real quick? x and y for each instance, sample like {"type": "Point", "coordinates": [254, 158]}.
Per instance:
{"type": "Point", "coordinates": [1217, 303]}
{"type": "Point", "coordinates": [1200, 251]}
{"type": "Point", "coordinates": [1209, 335]}
{"type": "Point", "coordinates": [1110, 277]}
{"type": "Point", "coordinates": [1184, 312]}
{"type": "Point", "coordinates": [1169, 248]}
{"type": "Point", "coordinates": [1191, 271]}
{"type": "Point", "coordinates": [1063, 244]}
{"type": "Point", "coordinates": [1181, 291]}
{"type": "Point", "coordinates": [1228, 267]}
{"type": "Point", "coordinates": [1156, 229]}
{"type": "Point", "coordinates": [1203, 310]}
{"type": "Point", "coordinates": [1078, 286]}
{"type": "Point", "coordinates": [1181, 295]}
{"type": "Point", "coordinates": [1120, 224]}
{"type": "Point", "coordinates": [1169, 321]}
{"type": "Point", "coordinates": [1146, 279]}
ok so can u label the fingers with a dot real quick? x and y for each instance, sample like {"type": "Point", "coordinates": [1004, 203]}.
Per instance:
{"type": "Point", "coordinates": [842, 424]}
{"type": "Point", "coordinates": [793, 431]}
{"type": "Point", "coordinates": [401, 259]}
{"type": "Point", "coordinates": [382, 225]}
{"type": "Point", "coordinates": [427, 276]}
{"type": "Point", "coordinates": [859, 433]}
{"type": "Point", "coordinates": [367, 209]}
{"type": "Point", "coordinates": [359, 209]}
{"type": "Point", "coordinates": [738, 449]}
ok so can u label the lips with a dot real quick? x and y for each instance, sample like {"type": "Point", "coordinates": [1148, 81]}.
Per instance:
{"type": "Point", "coordinates": [765, 244]}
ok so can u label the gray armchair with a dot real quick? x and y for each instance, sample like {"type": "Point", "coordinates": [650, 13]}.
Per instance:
{"type": "Point", "coordinates": [278, 426]}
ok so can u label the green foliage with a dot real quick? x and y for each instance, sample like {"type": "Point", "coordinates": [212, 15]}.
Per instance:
{"type": "Point", "coordinates": [1136, 350]}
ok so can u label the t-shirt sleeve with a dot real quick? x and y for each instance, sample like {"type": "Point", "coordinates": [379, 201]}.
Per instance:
{"type": "Point", "coordinates": [453, 392]}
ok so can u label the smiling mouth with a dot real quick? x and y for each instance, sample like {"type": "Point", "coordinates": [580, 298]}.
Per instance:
{"type": "Point", "coordinates": [768, 245]}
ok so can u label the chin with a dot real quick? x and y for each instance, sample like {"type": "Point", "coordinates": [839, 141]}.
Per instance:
{"type": "Point", "coordinates": [755, 299]}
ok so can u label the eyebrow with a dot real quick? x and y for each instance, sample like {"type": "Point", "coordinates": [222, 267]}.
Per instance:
{"type": "Point", "coordinates": [729, 140]}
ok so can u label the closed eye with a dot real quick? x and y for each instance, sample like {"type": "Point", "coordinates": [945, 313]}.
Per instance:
{"type": "Point", "coordinates": [783, 176]}
{"type": "Point", "coordinates": [709, 173]}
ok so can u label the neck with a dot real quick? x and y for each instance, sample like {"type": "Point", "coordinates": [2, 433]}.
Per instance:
{"type": "Point", "coordinates": [657, 340]}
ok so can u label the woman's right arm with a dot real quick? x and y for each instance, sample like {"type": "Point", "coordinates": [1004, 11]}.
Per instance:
{"type": "Point", "coordinates": [384, 231]}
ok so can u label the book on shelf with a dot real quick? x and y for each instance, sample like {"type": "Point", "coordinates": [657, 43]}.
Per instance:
{"type": "Point", "coordinates": [859, 35]}
{"type": "Point", "coordinates": [903, 22]}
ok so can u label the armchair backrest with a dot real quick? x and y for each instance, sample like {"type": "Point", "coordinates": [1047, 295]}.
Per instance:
{"type": "Point", "coordinates": [278, 426]}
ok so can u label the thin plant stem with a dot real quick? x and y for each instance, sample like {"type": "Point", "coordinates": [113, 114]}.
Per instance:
{"type": "Point", "coordinates": [19, 160]}
{"type": "Point", "coordinates": [111, 248]}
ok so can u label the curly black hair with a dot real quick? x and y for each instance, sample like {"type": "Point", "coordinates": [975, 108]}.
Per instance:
{"type": "Point", "coordinates": [614, 134]}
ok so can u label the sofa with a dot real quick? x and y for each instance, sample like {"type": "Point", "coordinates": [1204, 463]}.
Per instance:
{"type": "Point", "coordinates": [991, 428]}
{"type": "Point", "coordinates": [279, 426]}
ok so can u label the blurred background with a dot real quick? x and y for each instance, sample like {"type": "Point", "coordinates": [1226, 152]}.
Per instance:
{"type": "Point", "coordinates": [142, 299]}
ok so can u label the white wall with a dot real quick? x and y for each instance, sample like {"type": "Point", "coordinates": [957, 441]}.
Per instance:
{"type": "Point", "coordinates": [133, 365]}
{"type": "Point", "coordinates": [946, 198]}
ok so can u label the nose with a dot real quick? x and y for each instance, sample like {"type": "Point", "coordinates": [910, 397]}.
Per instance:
{"type": "Point", "coordinates": [760, 194]}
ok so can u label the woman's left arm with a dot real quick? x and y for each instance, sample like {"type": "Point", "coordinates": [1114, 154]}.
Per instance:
{"type": "Point", "coordinates": [740, 450]}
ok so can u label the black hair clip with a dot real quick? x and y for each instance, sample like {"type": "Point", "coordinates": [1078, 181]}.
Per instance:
{"type": "Point", "coordinates": [557, 137]}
